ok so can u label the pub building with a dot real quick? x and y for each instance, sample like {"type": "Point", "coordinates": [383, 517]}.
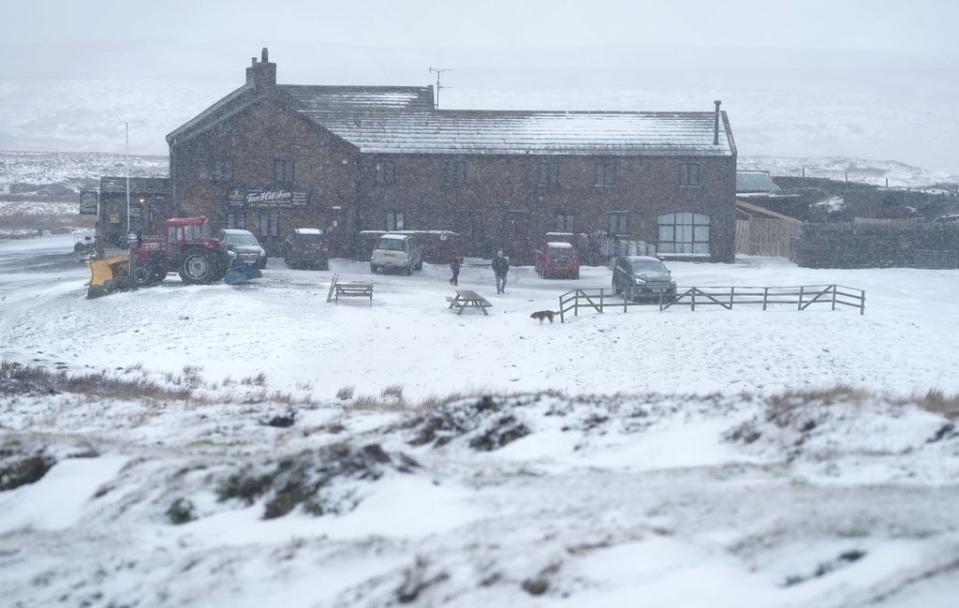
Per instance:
{"type": "Point", "coordinates": [358, 159]}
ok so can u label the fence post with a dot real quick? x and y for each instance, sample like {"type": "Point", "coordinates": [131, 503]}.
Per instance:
{"type": "Point", "coordinates": [801, 290]}
{"type": "Point", "coordinates": [834, 297]}
{"type": "Point", "coordinates": [576, 305]}
{"type": "Point", "coordinates": [765, 297]}
{"type": "Point", "coordinates": [625, 301]}
{"type": "Point", "coordinates": [601, 300]}
{"type": "Point", "coordinates": [732, 290]}
{"type": "Point", "coordinates": [862, 303]}
{"type": "Point", "coordinates": [692, 304]}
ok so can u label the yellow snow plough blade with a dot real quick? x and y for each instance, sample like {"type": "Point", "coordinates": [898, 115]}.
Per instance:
{"type": "Point", "coordinates": [108, 275]}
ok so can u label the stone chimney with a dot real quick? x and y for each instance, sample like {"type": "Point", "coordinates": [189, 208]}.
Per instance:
{"type": "Point", "coordinates": [262, 75]}
{"type": "Point", "coordinates": [715, 125]}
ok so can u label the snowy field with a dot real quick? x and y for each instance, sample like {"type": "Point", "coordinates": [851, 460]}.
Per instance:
{"type": "Point", "coordinates": [662, 467]}
{"type": "Point", "coordinates": [281, 326]}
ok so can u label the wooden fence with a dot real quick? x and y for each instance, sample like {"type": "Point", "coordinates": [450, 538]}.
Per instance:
{"type": "Point", "coordinates": [760, 236]}
{"type": "Point", "coordinates": [802, 297]}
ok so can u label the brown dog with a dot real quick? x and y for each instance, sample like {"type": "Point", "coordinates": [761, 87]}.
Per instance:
{"type": "Point", "coordinates": [543, 314]}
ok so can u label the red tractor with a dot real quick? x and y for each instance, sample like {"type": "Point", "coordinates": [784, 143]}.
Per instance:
{"type": "Point", "coordinates": [186, 247]}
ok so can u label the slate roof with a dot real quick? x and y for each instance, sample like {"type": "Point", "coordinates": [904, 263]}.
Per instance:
{"type": "Point", "coordinates": [318, 99]}
{"type": "Point", "coordinates": [139, 185]}
{"type": "Point", "coordinates": [755, 181]}
{"type": "Point", "coordinates": [402, 120]}
{"type": "Point", "coordinates": [521, 133]}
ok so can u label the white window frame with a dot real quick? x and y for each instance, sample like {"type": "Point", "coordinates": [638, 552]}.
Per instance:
{"type": "Point", "coordinates": [684, 234]}
{"type": "Point", "coordinates": [395, 220]}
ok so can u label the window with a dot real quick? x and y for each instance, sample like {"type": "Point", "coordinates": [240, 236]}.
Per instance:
{"type": "Point", "coordinates": [269, 222]}
{"type": "Point", "coordinates": [455, 172]}
{"type": "Point", "coordinates": [384, 172]}
{"type": "Point", "coordinates": [618, 222]}
{"type": "Point", "coordinates": [565, 222]}
{"type": "Point", "coordinates": [689, 175]}
{"type": "Point", "coordinates": [173, 233]}
{"type": "Point", "coordinates": [549, 174]}
{"type": "Point", "coordinates": [283, 172]}
{"type": "Point", "coordinates": [222, 171]}
{"type": "Point", "coordinates": [236, 219]}
{"type": "Point", "coordinates": [395, 220]}
{"type": "Point", "coordinates": [605, 174]}
{"type": "Point", "coordinates": [684, 233]}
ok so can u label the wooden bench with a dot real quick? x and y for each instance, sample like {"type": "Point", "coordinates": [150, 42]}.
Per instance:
{"type": "Point", "coordinates": [467, 298]}
{"type": "Point", "coordinates": [352, 289]}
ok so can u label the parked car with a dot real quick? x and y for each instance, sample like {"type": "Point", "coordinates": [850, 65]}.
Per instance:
{"type": "Point", "coordinates": [643, 278]}
{"type": "Point", "coordinates": [307, 247]}
{"type": "Point", "coordinates": [245, 246]}
{"type": "Point", "coordinates": [396, 252]}
{"type": "Point", "coordinates": [557, 260]}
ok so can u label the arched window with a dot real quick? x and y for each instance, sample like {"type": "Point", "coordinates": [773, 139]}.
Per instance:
{"type": "Point", "coordinates": [684, 233]}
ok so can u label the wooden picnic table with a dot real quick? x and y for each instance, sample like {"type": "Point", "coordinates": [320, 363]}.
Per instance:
{"type": "Point", "coordinates": [352, 289]}
{"type": "Point", "coordinates": [467, 298]}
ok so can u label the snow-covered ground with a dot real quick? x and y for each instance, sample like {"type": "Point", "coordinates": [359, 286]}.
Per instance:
{"type": "Point", "coordinates": [282, 326]}
{"type": "Point", "coordinates": [663, 465]}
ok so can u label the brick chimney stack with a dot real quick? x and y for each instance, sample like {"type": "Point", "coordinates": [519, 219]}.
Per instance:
{"type": "Point", "coordinates": [715, 125]}
{"type": "Point", "coordinates": [262, 75]}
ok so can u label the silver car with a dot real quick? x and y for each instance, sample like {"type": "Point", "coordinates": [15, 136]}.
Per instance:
{"type": "Point", "coordinates": [396, 252]}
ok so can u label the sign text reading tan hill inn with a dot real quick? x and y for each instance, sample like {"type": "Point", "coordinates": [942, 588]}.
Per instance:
{"type": "Point", "coordinates": [267, 198]}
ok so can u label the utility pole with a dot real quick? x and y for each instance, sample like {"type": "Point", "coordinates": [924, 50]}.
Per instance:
{"type": "Point", "coordinates": [126, 128]}
{"type": "Point", "coordinates": [439, 72]}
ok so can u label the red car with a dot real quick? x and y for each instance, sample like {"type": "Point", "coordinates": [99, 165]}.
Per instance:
{"type": "Point", "coordinates": [557, 260]}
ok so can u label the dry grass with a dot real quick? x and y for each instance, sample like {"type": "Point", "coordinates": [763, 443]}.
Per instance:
{"type": "Point", "coordinates": [936, 401]}
{"type": "Point", "coordinates": [346, 392]}
{"type": "Point", "coordinates": [394, 391]}
{"type": "Point", "coordinates": [16, 378]}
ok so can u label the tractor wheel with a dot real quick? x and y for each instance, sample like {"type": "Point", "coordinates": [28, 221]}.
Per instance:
{"type": "Point", "coordinates": [199, 267]}
{"type": "Point", "coordinates": [145, 275]}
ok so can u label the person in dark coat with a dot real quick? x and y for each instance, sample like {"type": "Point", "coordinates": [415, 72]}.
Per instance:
{"type": "Point", "coordinates": [500, 268]}
{"type": "Point", "coordinates": [456, 262]}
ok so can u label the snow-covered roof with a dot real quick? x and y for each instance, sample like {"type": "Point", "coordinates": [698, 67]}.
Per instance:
{"type": "Point", "coordinates": [140, 185]}
{"type": "Point", "coordinates": [402, 120]}
{"type": "Point", "coordinates": [755, 181]}
{"type": "Point", "coordinates": [236, 231]}
{"type": "Point", "coordinates": [515, 132]}
{"type": "Point", "coordinates": [308, 231]}
{"type": "Point", "coordinates": [398, 237]}
{"type": "Point", "coordinates": [311, 98]}
{"type": "Point", "coordinates": [559, 245]}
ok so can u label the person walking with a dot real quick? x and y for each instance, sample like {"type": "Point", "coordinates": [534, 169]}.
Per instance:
{"type": "Point", "coordinates": [456, 262]}
{"type": "Point", "coordinates": [500, 268]}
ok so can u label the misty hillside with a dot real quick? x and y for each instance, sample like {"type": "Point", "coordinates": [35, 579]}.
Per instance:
{"type": "Point", "coordinates": [54, 175]}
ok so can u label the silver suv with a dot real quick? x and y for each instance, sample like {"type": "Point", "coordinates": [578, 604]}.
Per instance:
{"type": "Point", "coordinates": [396, 252]}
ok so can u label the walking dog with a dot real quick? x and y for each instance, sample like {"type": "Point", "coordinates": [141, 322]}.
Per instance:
{"type": "Point", "coordinates": [543, 314]}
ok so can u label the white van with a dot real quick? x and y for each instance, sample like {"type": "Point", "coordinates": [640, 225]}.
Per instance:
{"type": "Point", "coordinates": [398, 252]}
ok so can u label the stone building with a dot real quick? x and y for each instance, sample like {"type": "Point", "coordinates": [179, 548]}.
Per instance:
{"type": "Point", "coordinates": [271, 157]}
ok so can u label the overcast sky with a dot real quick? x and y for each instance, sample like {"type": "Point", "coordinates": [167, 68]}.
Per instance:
{"type": "Point", "coordinates": [902, 56]}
